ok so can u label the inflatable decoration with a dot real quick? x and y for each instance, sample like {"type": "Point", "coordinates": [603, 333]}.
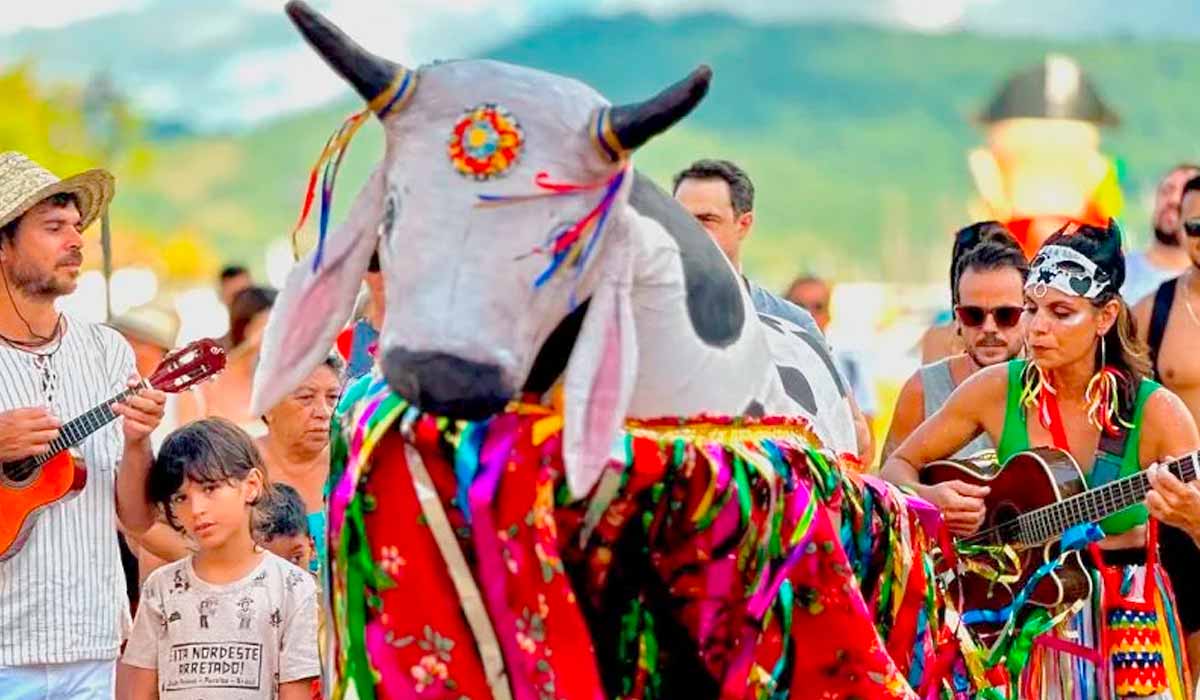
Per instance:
{"type": "Point", "coordinates": [584, 466]}
{"type": "Point", "coordinates": [1042, 166]}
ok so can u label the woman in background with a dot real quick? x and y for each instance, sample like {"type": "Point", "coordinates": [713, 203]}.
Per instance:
{"type": "Point", "coordinates": [296, 445]}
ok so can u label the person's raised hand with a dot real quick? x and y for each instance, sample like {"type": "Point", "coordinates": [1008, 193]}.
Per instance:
{"type": "Point", "coordinates": [142, 411]}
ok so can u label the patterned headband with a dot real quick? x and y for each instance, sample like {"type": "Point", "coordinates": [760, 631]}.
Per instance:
{"type": "Point", "coordinates": [1068, 271]}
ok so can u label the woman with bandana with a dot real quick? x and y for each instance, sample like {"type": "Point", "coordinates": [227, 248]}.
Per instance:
{"type": "Point", "coordinates": [1084, 389]}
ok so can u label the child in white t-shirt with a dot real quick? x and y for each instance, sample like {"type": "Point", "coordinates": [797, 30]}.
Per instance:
{"type": "Point", "coordinates": [231, 621]}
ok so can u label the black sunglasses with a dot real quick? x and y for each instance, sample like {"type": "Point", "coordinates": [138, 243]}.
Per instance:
{"type": "Point", "coordinates": [1192, 227]}
{"type": "Point", "coordinates": [975, 316]}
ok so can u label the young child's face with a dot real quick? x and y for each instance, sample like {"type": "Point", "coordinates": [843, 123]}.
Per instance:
{"type": "Point", "coordinates": [297, 549]}
{"type": "Point", "coordinates": [213, 512]}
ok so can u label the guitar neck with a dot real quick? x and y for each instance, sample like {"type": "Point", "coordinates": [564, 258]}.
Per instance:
{"type": "Point", "coordinates": [79, 428]}
{"type": "Point", "coordinates": [1094, 505]}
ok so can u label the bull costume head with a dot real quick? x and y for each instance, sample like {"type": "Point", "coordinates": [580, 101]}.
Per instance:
{"type": "Point", "coordinates": [645, 316]}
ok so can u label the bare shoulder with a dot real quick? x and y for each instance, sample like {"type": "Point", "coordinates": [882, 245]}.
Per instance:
{"type": "Point", "coordinates": [1164, 405]}
{"type": "Point", "coordinates": [913, 391]}
{"type": "Point", "coordinates": [937, 342]}
{"type": "Point", "coordinates": [909, 412]}
{"type": "Point", "coordinates": [1168, 428]}
{"type": "Point", "coordinates": [986, 383]}
{"type": "Point", "coordinates": [1141, 315]}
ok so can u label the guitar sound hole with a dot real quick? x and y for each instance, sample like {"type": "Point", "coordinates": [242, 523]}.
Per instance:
{"type": "Point", "coordinates": [16, 474]}
{"type": "Point", "coordinates": [1004, 519]}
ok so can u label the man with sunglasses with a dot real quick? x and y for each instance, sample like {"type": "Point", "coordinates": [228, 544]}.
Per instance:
{"type": "Point", "coordinates": [1166, 256]}
{"type": "Point", "coordinates": [987, 289]}
{"type": "Point", "coordinates": [1169, 322]}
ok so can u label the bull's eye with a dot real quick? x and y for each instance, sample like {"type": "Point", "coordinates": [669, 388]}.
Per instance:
{"type": "Point", "coordinates": [389, 215]}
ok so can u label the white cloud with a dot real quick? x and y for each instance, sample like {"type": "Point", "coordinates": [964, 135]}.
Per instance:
{"type": "Point", "coordinates": [397, 29]}
{"type": "Point", "coordinates": [269, 82]}
{"type": "Point", "coordinates": [22, 14]}
{"type": "Point", "coordinates": [929, 15]}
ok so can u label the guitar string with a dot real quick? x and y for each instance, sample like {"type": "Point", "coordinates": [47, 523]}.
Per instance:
{"type": "Point", "coordinates": [79, 428]}
{"type": "Point", "coordinates": [90, 422]}
{"type": "Point", "coordinates": [1047, 521]}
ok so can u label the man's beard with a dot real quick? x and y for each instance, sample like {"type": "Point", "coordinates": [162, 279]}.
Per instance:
{"type": "Point", "coordinates": [35, 284]}
{"type": "Point", "coordinates": [1166, 237]}
{"type": "Point", "coordinates": [989, 342]}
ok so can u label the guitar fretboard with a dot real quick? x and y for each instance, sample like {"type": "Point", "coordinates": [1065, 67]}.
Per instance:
{"type": "Point", "coordinates": [78, 428]}
{"type": "Point", "coordinates": [1049, 522]}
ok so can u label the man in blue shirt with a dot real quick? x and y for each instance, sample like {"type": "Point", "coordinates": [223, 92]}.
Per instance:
{"type": "Point", "coordinates": [721, 197]}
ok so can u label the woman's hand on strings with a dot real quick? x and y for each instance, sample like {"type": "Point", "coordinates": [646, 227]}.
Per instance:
{"type": "Point", "coordinates": [961, 504]}
{"type": "Point", "coordinates": [1172, 501]}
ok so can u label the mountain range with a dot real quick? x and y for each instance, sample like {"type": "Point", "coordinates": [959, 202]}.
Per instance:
{"type": "Point", "coordinates": [855, 136]}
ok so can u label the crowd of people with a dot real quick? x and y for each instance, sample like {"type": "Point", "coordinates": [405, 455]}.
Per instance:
{"type": "Point", "coordinates": [219, 515]}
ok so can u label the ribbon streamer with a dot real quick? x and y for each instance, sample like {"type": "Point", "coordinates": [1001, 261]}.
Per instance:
{"type": "Point", "coordinates": [330, 161]}
{"type": "Point", "coordinates": [570, 245]}
{"type": "Point", "coordinates": [1103, 396]}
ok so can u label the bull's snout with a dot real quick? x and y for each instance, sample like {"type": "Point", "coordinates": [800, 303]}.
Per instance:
{"type": "Point", "coordinates": [445, 384]}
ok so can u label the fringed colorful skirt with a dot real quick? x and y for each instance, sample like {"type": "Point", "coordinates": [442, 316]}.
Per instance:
{"type": "Point", "coordinates": [715, 558]}
{"type": "Point", "coordinates": [1125, 642]}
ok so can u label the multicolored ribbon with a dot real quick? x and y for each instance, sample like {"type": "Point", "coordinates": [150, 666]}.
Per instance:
{"type": "Point", "coordinates": [1103, 396]}
{"type": "Point", "coordinates": [1039, 393]}
{"type": "Point", "coordinates": [570, 245]}
{"type": "Point", "coordinates": [1013, 645]}
{"type": "Point", "coordinates": [330, 160]}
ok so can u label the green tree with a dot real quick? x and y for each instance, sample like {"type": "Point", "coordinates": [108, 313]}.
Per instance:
{"type": "Point", "coordinates": [51, 125]}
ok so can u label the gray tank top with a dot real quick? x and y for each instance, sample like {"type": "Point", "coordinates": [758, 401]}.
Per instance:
{"type": "Point", "coordinates": [938, 384]}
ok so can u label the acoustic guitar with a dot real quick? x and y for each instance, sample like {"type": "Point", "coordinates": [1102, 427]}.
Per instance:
{"type": "Point", "coordinates": [30, 485]}
{"type": "Point", "coordinates": [1035, 497]}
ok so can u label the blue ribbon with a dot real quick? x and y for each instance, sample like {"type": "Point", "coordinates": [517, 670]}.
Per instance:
{"type": "Point", "coordinates": [917, 673]}
{"type": "Point", "coordinates": [1074, 539]}
{"type": "Point", "coordinates": [466, 464]}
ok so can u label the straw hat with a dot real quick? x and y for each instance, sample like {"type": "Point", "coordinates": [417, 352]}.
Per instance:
{"type": "Point", "coordinates": [24, 183]}
{"type": "Point", "coordinates": [149, 323]}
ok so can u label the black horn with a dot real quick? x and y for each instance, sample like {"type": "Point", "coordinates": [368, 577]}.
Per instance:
{"type": "Point", "coordinates": [634, 124]}
{"type": "Point", "coordinates": [370, 75]}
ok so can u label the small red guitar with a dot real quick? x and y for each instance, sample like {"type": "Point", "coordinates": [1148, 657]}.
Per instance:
{"type": "Point", "coordinates": [29, 485]}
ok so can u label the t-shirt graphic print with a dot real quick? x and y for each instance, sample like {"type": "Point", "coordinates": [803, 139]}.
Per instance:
{"type": "Point", "coordinates": [236, 640]}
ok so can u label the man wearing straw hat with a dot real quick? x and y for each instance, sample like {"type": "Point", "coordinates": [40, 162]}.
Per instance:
{"type": "Point", "coordinates": [62, 591]}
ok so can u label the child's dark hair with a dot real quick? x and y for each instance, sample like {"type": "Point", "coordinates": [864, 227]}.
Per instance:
{"type": "Point", "coordinates": [283, 515]}
{"type": "Point", "coordinates": [206, 451]}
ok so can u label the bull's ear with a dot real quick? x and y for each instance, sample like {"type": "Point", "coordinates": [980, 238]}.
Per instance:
{"type": "Point", "coordinates": [315, 304]}
{"type": "Point", "coordinates": [600, 375]}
